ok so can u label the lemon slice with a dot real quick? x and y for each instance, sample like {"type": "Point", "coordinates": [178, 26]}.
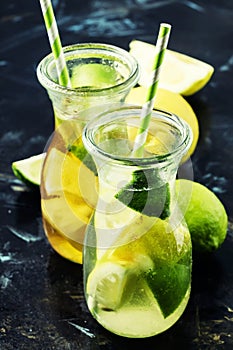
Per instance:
{"type": "Point", "coordinates": [61, 193]}
{"type": "Point", "coordinates": [52, 168]}
{"type": "Point", "coordinates": [180, 73]}
{"type": "Point", "coordinates": [79, 185]}
{"type": "Point", "coordinates": [29, 170]}
{"type": "Point", "coordinates": [65, 176]}
{"type": "Point", "coordinates": [172, 102]}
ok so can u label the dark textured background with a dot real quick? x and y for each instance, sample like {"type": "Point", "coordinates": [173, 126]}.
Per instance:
{"type": "Point", "coordinates": [41, 298]}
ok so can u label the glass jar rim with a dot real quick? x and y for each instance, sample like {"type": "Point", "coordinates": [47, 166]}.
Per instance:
{"type": "Point", "coordinates": [109, 50]}
{"type": "Point", "coordinates": [120, 112]}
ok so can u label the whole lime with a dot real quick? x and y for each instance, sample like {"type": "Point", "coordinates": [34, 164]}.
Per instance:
{"type": "Point", "coordinates": [204, 213]}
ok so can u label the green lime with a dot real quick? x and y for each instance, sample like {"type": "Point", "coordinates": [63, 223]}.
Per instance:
{"type": "Point", "coordinates": [204, 213]}
{"type": "Point", "coordinates": [29, 170]}
{"type": "Point", "coordinates": [153, 238]}
{"type": "Point", "coordinates": [169, 249]}
{"type": "Point", "coordinates": [169, 283]}
{"type": "Point", "coordinates": [161, 256]}
{"type": "Point", "coordinates": [141, 195]}
{"type": "Point", "coordinates": [111, 279]}
{"type": "Point", "coordinates": [106, 284]}
{"type": "Point", "coordinates": [94, 75]}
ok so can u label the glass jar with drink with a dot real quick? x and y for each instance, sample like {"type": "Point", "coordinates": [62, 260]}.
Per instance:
{"type": "Point", "coordinates": [137, 252]}
{"type": "Point", "coordinates": [100, 75]}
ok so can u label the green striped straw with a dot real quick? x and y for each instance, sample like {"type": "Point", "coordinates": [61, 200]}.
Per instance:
{"type": "Point", "coordinates": [161, 45]}
{"type": "Point", "coordinates": [55, 42]}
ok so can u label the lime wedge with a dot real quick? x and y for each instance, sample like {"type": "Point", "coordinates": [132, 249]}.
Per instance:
{"type": "Point", "coordinates": [94, 75]}
{"type": "Point", "coordinates": [169, 283]}
{"type": "Point", "coordinates": [29, 170]}
{"type": "Point", "coordinates": [180, 73]}
{"type": "Point", "coordinates": [106, 284]}
{"type": "Point", "coordinates": [163, 254]}
{"type": "Point", "coordinates": [140, 195]}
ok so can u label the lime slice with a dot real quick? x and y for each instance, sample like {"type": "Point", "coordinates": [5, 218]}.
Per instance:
{"type": "Point", "coordinates": [153, 238]}
{"type": "Point", "coordinates": [161, 257]}
{"type": "Point", "coordinates": [180, 73]}
{"type": "Point", "coordinates": [169, 283]}
{"type": "Point", "coordinates": [106, 284]}
{"type": "Point", "coordinates": [111, 281]}
{"type": "Point", "coordinates": [163, 254]}
{"type": "Point", "coordinates": [29, 170]}
{"type": "Point", "coordinates": [140, 194]}
{"type": "Point", "coordinates": [93, 75]}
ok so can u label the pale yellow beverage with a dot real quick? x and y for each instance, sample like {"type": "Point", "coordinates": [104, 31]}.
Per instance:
{"type": "Point", "coordinates": [137, 249]}
{"type": "Point", "coordinates": [140, 283]}
{"type": "Point", "coordinates": [68, 195]}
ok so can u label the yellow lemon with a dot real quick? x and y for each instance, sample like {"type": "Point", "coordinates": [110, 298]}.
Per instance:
{"type": "Point", "coordinates": [179, 73]}
{"type": "Point", "coordinates": [79, 186]}
{"type": "Point", "coordinates": [173, 103]}
{"type": "Point", "coordinates": [67, 178]}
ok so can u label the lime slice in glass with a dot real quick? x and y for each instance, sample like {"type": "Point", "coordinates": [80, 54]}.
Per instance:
{"type": "Point", "coordinates": [169, 283]}
{"type": "Point", "coordinates": [94, 75]}
{"type": "Point", "coordinates": [140, 195]}
{"type": "Point", "coordinates": [106, 283]}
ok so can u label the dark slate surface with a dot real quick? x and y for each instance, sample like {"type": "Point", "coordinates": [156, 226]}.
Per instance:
{"type": "Point", "coordinates": [41, 299]}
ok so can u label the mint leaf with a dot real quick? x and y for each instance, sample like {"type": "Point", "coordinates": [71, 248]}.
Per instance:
{"type": "Point", "coordinates": [169, 284]}
{"type": "Point", "coordinates": [142, 195]}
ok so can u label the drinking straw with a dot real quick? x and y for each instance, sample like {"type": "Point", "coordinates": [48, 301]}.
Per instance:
{"type": "Point", "coordinates": [55, 42]}
{"type": "Point", "coordinates": [161, 45]}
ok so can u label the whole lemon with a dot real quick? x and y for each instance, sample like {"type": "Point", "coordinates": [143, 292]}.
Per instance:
{"type": "Point", "coordinates": [204, 213]}
{"type": "Point", "coordinates": [172, 102]}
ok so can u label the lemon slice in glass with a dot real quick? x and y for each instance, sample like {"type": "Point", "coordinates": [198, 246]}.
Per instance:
{"type": "Point", "coordinates": [180, 73]}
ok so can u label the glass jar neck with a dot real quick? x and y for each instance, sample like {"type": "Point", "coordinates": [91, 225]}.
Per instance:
{"type": "Point", "coordinates": [143, 184]}
{"type": "Point", "coordinates": [110, 137]}
{"type": "Point", "coordinates": [113, 58]}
